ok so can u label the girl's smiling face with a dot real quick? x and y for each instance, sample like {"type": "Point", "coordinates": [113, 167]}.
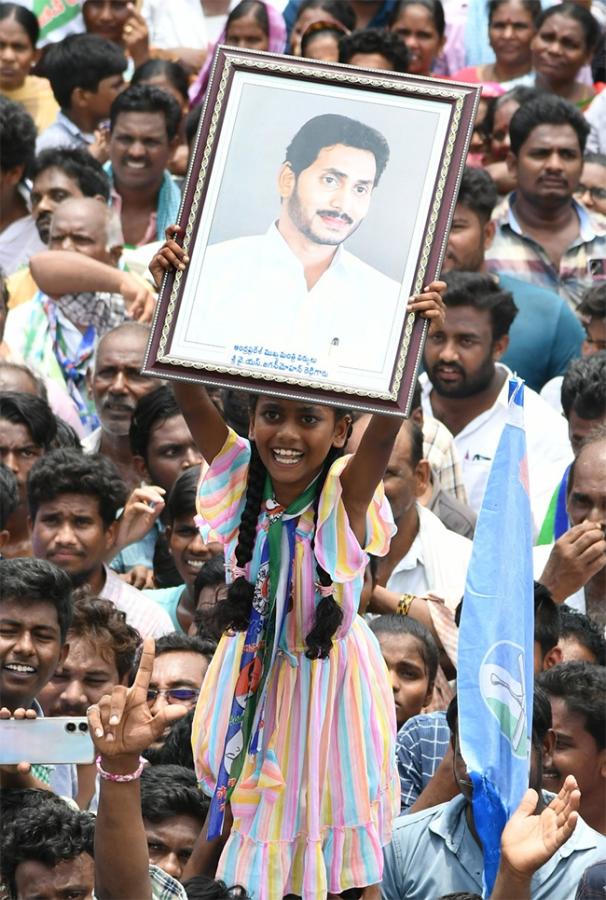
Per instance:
{"type": "Point", "coordinates": [293, 439]}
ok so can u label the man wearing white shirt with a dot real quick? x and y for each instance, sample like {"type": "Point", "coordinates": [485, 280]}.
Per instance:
{"type": "Point", "coordinates": [466, 388]}
{"type": "Point", "coordinates": [298, 276]}
{"type": "Point", "coordinates": [574, 568]}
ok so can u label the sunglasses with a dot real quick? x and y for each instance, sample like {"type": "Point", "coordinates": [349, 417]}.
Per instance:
{"type": "Point", "coordinates": [173, 695]}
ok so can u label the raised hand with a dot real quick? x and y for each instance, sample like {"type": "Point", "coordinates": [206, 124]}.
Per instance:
{"type": "Point", "coordinates": [142, 509]}
{"type": "Point", "coordinates": [121, 723]}
{"type": "Point", "coordinates": [529, 840]}
{"type": "Point", "coordinates": [429, 303]}
{"type": "Point", "coordinates": [170, 256]}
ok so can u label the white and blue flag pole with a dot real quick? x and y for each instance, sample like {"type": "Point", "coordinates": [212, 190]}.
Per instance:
{"type": "Point", "coordinates": [496, 638]}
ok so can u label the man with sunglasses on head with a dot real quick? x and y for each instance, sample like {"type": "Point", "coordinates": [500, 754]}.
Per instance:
{"type": "Point", "coordinates": [180, 665]}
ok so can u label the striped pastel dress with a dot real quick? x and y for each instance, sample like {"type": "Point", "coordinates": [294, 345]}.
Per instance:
{"type": "Point", "coordinates": [313, 808]}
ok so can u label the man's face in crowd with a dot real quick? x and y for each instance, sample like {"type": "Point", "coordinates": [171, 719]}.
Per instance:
{"type": "Point", "coordinates": [88, 672]}
{"type": "Point", "coordinates": [587, 493]}
{"type": "Point", "coordinates": [70, 532]}
{"type": "Point", "coordinates": [328, 201]}
{"type": "Point", "coordinates": [106, 18]}
{"type": "Point", "coordinates": [170, 843]}
{"type": "Point", "coordinates": [576, 752]}
{"type": "Point", "coordinates": [117, 384]}
{"type": "Point", "coordinates": [18, 451]}
{"type": "Point", "coordinates": [460, 357]}
{"type": "Point", "coordinates": [591, 190]}
{"type": "Point", "coordinates": [173, 670]}
{"type": "Point", "coordinates": [139, 149]}
{"type": "Point", "coordinates": [548, 166]}
{"type": "Point", "coordinates": [30, 650]}
{"type": "Point", "coordinates": [580, 428]}
{"type": "Point", "coordinates": [69, 879]}
{"type": "Point", "coordinates": [171, 450]}
{"type": "Point", "coordinates": [50, 188]}
{"type": "Point", "coordinates": [81, 226]}
{"type": "Point", "coordinates": [403, 483]}
{"type": "Point", "coordinates": [595, 335]}
{"type": "Point", "coordinates": [468, 241]}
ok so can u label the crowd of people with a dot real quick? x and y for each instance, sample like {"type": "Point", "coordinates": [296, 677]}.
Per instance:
{"type": "Point", "coordinates": [256, 602]}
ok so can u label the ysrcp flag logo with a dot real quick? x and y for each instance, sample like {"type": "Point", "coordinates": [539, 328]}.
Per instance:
{"type": "Point", "coordinates": [503, 692]}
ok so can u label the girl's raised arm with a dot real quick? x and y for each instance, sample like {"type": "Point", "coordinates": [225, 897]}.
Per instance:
{"type": "Point", "coordinates": [365, 470]}
{"type": "Point", "coordinates": [208, 429]}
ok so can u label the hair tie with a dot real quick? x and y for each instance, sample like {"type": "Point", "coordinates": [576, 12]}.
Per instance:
{"type": "Point", "coordinates": [325, 590]}
{"type": "Point", "coordinates": [237, 571]}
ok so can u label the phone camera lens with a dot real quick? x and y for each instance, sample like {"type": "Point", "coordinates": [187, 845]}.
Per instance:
{"type": "Point", "coordinates": [83, 726]}
{"type": "Point", "coordinates": [71, 726]}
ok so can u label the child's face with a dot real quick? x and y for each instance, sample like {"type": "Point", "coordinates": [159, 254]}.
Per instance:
{"type": "Point", "coordinates": [293, 439]}
{"type": "Point", "coordinates": [188, 550]}
{"type": "Point", "coordinates": [100, 101]}
{"type": "Point", "coordinates": [409, 678]}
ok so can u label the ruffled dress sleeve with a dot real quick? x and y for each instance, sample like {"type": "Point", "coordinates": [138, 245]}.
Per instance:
{"type": "Point", "coordinates": [336, 546]}
{"type": "Point", "coordinates": [222, 491]}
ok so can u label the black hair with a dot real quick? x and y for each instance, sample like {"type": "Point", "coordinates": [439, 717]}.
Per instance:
{"type": "Point", "coordinates": [33, 413]}
{"type": "Point", "coordinates": [483, 293]}
{"type": "Point", "coordinates": [182, 497]}
{"type": "Point", "coordinates": [77, 164]}
{"type": "Point", "coordinates": [546, 110]}
{"type": "Point", "coordinates": [203, 887]}
{"type": "Point", "coordinates": [520, 94]}
{"type": "Point", "coordinates": [66, 437]}
{"type": "Point", "coordinates": [9, 495]}
{"type": "Point", "coordinates": [593, 302]}
{"type": "Point", "coordinates": [531, 6]}
{"type": "Point", "coordinates": [249, 8]}
{"type": "Point", "coordinates": [478, 192]}
{"type": "Point", "coordinates": [211, 574]}
{"type": "Point", "coordinates": [328, 130]}
{"type": "Point", "coordinates": [433, 7]}
{"type": "Point", "coordinates": [585, 631]}
{"type": "Point", "coordinates": [177, 641]}
{"type": "Point", "coordinates": [38, 581]}
{"type": "Point", "coordinates": [176, 748]}
{"type": "Point", "coordinates": [151, 410]}
{"type": "Point", "coordinates": [169, 790]}
{"type": "Point", "coordinates": [103, 624]}
{"type": "Point", "coordinates": [340, 10]}
{"type": "Point", "coordinates": [541, 716]}
{"type": "Point", "coordinates": [393, 624]}
{"type": "Point", "coordinates": [233, 613]}
{"type": "Point", "coordinates": [374, 40]}
{"type": "Point", "coordinates": [599, 159]}
{"type": "Point", "coordinates": [415, 433]}
{"type": "Point", "coordinates": [320, 29]}
{"type": "Point", "coordinates": [192, 121]}
{"type": "Point", "coordinates": [146, 98]}
{"type": "Point", "coordinates": [582, 687]}
{"type": "Point", "coordinates": [590, 26]}
{"type": "Point", "coordinates": [584, 387]}
{"type": "Point", "coordinates": [17, 137]}
{"type": "Point", "coordinates": [236, 411]}
{"type": "Point", "coordinates": [174, 73]}
{"type": "Point", "coordinates": [46, 832]}
{"type": "Point", "coordinates": [80, 61]}
{"type": "Point", "coordinates": [24, 17]}
{"type": "Point", "coordinates": [546, 619]}
{"type": "Point", "coordinates": [4, 294]}
{"type": "Point", "coordinates": [71, 472]}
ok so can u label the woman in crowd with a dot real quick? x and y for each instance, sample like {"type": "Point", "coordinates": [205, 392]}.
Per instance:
{"type": "Point", "coordinates": [119, 22]}
{"type": "Point", "coordinates": [321, 41]}
{"type": "Point", "coordinates": [252, 25]}
{"type": "Point", "coordinates": [512, 25]}
{"type": "Point", "coordinates": [421, 25]}
{"type": "Point", "coordinates": [338, 13]}
{"type": "Point", "coordinates": [566, 38]}
{"type": "Point", "coordinates": [19, 32]}
{"type": "Point", "coordinates": [496, 129]}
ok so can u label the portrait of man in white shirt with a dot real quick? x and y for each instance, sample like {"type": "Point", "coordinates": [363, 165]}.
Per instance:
{"type": "Point", "coordinates": [293, 300]}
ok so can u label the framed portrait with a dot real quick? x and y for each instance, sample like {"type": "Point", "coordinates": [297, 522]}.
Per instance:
{"type": "Point", "coordinates": [318, 201]}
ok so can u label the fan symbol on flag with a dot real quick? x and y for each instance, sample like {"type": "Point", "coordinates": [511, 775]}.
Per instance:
{"type": "Point", "coordinates": [502, 689]}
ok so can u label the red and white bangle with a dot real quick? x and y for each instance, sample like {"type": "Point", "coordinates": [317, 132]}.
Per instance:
{"type": "Point", "coordinates": [120, 779]}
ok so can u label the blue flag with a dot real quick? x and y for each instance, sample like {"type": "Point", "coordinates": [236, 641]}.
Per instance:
{"type": "Point", "coordinates": [496, 638]}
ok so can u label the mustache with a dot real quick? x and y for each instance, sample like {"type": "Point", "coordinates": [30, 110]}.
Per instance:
{"type": "Point", "coordinates": [330, 213]}
{"type": "Point", "coordinates": [110, 403]}
{"type": "Point", "coordinates": [452, 367]}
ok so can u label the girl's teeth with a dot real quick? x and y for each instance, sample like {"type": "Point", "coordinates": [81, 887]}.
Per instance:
{"type": "Point", "coordinates": [15, 667]}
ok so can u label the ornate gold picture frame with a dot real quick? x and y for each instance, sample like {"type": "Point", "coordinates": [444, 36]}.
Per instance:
{"type": "Point", "coordinates": [318, 200]}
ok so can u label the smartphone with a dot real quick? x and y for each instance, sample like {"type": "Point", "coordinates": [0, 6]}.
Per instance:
{"type": "Point", "coordinates": [52, 741]}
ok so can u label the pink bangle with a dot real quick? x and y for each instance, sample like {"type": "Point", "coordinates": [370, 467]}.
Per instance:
{"type": "Point", "coordinates": [120, 779]}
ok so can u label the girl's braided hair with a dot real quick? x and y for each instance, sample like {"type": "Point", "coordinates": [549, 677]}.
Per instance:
{"type": "Point", "coordinates": [233, 613]}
